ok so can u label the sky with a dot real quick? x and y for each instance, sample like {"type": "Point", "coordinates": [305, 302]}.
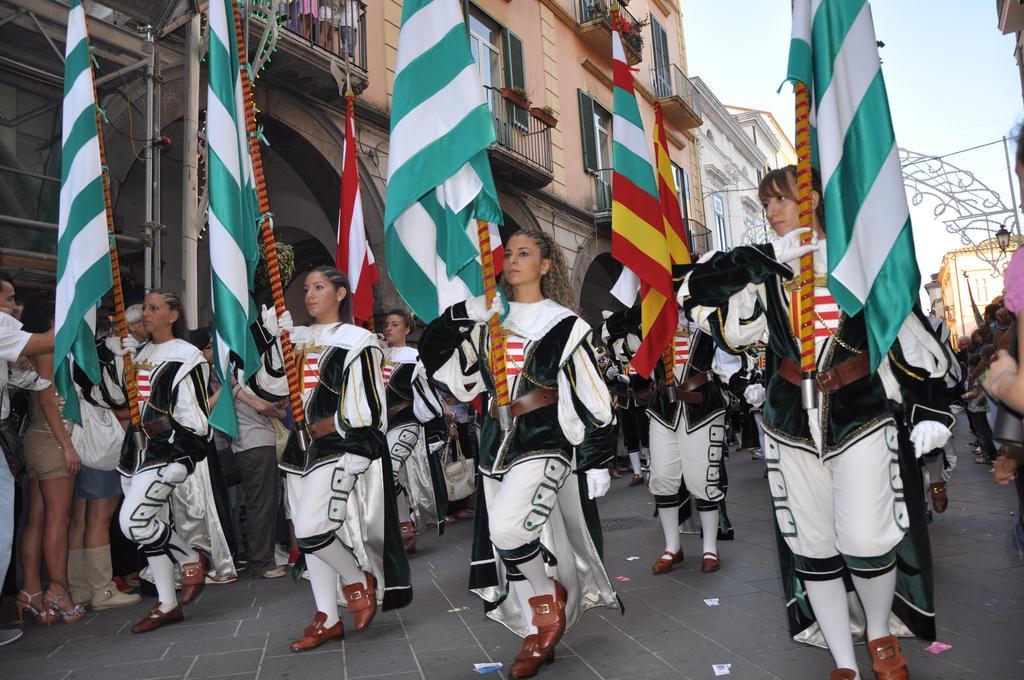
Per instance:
{"type": "Point", "coordinates": [950, 74]}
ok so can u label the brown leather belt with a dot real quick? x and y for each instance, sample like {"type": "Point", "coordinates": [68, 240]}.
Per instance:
{"type": "Point", "coordinates": [321, 428]}
{"type": "Point", "coordinates": [687, 391]}
{"type": "Point", "coordinates": [545, 396]}
{"type": "Point", "coordinates": [398, 408]}
{"type": "Point", "coordinates": [157, 426]}
{"type": "Point", "coordinates": [837, 377]}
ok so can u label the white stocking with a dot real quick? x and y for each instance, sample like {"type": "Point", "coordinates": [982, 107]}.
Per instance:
{"type": "Point", "coordinates": [342, 562]}
{"type": "Point", "coordinates": [324, 582]}
{"type": "Point", "coordinates": [709, 529]}
{"type": "Point", "coordinates": [537, 576]}
{"type": "Point", "coordinates": [523, 591]}
{"type": "Point", "coordinates": [634, 461]}
{"type": "Point", "coordinates": [876, 595]}
{"type": "Point", "coordinates": [163, 577]}
{"type": "Point", "coordinates": [828, 600]}
{"type": "Point", "coordinates": [670, 526]}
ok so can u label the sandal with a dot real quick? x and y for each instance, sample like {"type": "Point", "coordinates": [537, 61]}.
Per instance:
{"type": "Point", "coordinates": [53, 602]}
{"type": "Point", "coordinates": [42, 614]}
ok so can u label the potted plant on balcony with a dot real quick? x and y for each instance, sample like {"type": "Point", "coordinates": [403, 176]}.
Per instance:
{"type": "Point", "coordinates": [517, 95]}
{"type": "Point", "coordinates": [545, 115]}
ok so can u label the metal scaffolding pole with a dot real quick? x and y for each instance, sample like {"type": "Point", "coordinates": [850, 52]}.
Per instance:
{"type": "Point", "coordinates": [190, 218]}
{"type": "Point", "coordinates": [147, 227]}
{"type": "Point", "coordinates": [157, 153]}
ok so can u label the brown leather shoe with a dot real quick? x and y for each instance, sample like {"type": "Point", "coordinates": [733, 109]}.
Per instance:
{"type": "Point", "coordinates": [157, 618]}
{"type": "Point", "coordinates": [886, 659]}
{"type": "Point", "coordinates": [408, 537]}
{"type": "Point", "coordinates": [664, 564]}
{"type": "Point", "coordinates": [549, 617]}
{"type": "Point", "coordinates": [530, 658]}
{"type": "Point", "coordinates": [940, 501]}
{"type": "Point", "coordinates": [193, 578]}
{"type": "Point", "coordinates": [315, 634]}
{"type": "Point", "coordinates": [362, 600]}
{"type": "Point", "coordinates": [636, 480]}
{"type": "Point", "coordinates": [843, 674]}
{"type": "Point", "coordinates": [711, 562]}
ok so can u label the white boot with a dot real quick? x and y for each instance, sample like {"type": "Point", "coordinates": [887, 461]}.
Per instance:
{"type": "Point", "coordinates": [78, 577]}
{"type": "Point", "coordinates": [105, 594]}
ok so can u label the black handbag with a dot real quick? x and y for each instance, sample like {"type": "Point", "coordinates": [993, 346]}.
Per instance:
{"type": "Point", "coordinates": [12, 430]}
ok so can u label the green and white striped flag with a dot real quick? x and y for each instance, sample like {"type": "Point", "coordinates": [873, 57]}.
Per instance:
{"type": "Point", "coordinates": [233, 214]}
{"type": "Point", "coordinates": [439, 176]}
{"type": "Point", "coordinates": [83, 242]}
{"type": "Point", "coordinates": [871, 261]}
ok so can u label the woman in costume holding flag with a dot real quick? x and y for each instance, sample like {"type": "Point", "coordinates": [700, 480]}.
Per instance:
{"type": "Point", "coordinates": [416, 426]}
{"type": "Point", "coordinates": [847, 496]}
{"type": "Point", "coordinates": [341, 490]}
{"type": "Point", "coordinates": [172, 377]}
{"type": "Point", "coordinates": [541, 476]}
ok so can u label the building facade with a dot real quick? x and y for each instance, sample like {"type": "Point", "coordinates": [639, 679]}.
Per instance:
{"type": "Point", "coordinates": [1010, 14]}
{"type": "Point", "coordinates": [546, 66]}
{"type": "Point", "coordinates": [731, 165]}
{"type": "Point", "coordinates": [965, 277]}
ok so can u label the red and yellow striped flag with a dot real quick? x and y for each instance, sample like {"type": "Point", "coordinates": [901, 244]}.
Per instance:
{"type": "Point", "coordinates": [675, 231]}
{"type": "Point", "coordinates": [638, 222]}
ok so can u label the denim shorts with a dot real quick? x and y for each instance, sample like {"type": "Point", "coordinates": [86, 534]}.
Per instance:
{"type": "Point", "coordinates": [92, 484]}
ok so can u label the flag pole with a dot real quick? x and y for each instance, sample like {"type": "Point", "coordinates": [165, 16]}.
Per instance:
{"type": "Point", "coordinates": [121, 323]}
{"type": "Point", "coordinates": [267, 236]}
{"type": "Point", "coordinates": [808, 385]}
{"type": "Point", "coordinates": [497, 347]}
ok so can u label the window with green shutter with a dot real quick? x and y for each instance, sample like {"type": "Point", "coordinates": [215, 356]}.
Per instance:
{"type": "Point", "coordinates": [515, 75]}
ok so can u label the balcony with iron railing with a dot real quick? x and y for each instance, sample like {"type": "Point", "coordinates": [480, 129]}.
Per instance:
{"type": "Point", "coordinates": [699, 237]}
{"type": "Point", "coordinates": [679, 99]}
{"type": "Point", "coordinates": [594, 19]}
{"type": "Point", "coordinates": [306, 38]}
{"type": "Point", "coordinates": [521, 154]}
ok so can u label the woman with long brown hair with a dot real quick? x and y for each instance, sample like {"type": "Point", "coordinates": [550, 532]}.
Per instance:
{"type": "Point", "coordinates": [340, 490]}
{"type": "Point", "coordinates": [845, 486]}
{"type": "Point", "coordinates": [539, 478]}
{"type": "Point", "coordinates": [52, 462]}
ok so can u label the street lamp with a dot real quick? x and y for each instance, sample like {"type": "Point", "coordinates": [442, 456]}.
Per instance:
{"type": "Point", "coordinates": [1003, 238]}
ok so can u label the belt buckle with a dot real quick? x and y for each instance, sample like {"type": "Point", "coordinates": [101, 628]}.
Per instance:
{"type": "Point", "coordinates": [828, 381]}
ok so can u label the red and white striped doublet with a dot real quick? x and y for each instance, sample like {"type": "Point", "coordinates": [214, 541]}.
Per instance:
{"type": "Point", "coordinates": [142, 376]}
{"type": "Point", "coordinates": [311, 371]}
{"type": "Point", "coordinates": [515, 355]}
{"type": "Point", "coordinates": [826, 313]}
{"type": "Point", "coordinates": [681, 344]}
{"type": "Point", "coordinates": [386, 370]}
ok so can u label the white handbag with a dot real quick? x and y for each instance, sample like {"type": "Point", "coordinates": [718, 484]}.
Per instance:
{"type": "Point", "coordinates": [459, 472]}
{"type": "Point", "coordinates": [98, 439]}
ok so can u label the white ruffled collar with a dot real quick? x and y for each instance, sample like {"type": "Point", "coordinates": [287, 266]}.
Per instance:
{"type": "Point", "coordinates": [403, 355]}
{"type": "Point", "coordinates": [533, 320]}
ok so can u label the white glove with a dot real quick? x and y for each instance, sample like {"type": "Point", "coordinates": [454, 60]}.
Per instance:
{"type": "Point", "coordinates": [284, 322]}
{"type": "Point", "coordinates": [929, 435]}
{"type": "Point", "coordinates": [613, 372]}
{"type": "Point", "coordinates": [598, 482]}
{"type": "Point", "coordinates": [354, 464]}
{"type": "Point", "coordinates": [754, 394]}
{"type": "Point", "coordinates": [788, 249]}
{"type": "Point", "coordinates": [623, 378]}
{"type": "Point", "coordinates": [269, 317]}
{"type": "Point", "coordinates": [115, 345]}
{"type": "Point", "coordinates": [477, 309]}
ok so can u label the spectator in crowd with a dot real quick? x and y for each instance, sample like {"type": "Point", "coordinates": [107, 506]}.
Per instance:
{"type": "Point", "coordinates": [104, 411]}
{"type": "Point", "coordinates": [15, 344]}
{"type": "Point", "coordinates": [52, 462]}
{"type": "Point", "coordinates": [978, 407]}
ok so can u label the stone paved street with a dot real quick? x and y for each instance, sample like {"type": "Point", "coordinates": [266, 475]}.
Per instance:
{"type": "Point", "coordinates": [241, 631]}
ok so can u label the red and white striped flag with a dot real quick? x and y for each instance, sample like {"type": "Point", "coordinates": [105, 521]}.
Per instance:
{"type": "Point", "coordinates": [354, 256]}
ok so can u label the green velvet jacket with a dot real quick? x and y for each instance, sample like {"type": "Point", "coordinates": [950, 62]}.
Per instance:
{"type": "Point", "coordinates": [537, 434]}
{"type": "Point", "coordinates": [845, 414]}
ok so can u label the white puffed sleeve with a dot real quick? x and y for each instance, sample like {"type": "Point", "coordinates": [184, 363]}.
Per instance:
{"type": "Point", "coordinates": [583, 399]}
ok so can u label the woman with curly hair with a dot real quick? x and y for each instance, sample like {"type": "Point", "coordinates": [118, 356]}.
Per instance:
{"type": "Point", "coordinates": [535, 521]}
